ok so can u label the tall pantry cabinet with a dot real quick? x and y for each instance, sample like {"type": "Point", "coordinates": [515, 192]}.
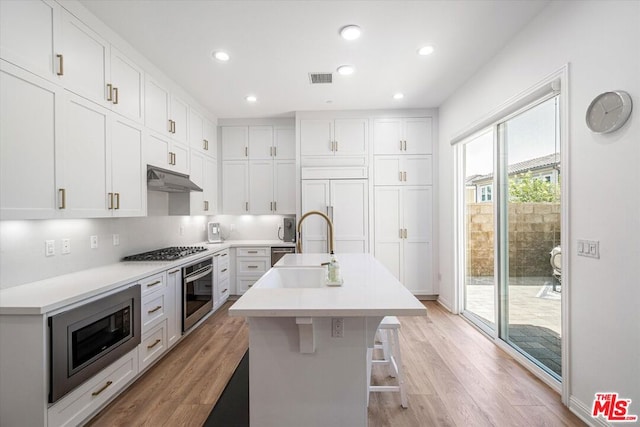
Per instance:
{"type": "Point", "coordinates": [403, 200]}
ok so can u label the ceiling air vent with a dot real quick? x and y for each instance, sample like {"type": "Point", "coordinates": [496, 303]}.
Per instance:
{"type": "Point", "coordinates": [317, 78]}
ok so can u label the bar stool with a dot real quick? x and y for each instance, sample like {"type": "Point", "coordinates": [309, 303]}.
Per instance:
{"type": "Point", "coordinates": [390, 346]}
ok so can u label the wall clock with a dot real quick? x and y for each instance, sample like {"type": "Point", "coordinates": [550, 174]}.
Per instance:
{"type": "Point", "coordinates": [609, 111]}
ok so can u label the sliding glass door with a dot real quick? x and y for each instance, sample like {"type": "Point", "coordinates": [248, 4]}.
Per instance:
{"type": "Point", "coordinates": [511, 233]}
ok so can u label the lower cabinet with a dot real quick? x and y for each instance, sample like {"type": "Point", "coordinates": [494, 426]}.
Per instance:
{"type": "Point", "coordinates": [75, 407]}
{"type": "Point", "coordinates": [153, 344]}
{"type": "Point", "coordinates": [251, 264]}
{"type": "Point", "coordinates": [174, 302]}
{"type": "Point", "coordinates": [221, 265]}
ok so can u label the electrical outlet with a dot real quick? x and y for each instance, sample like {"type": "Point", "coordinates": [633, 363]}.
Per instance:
{"type": "Point", "coordinates": [49, 247]}
{"type": "Point", "coordinates": [181, 229]}
{"type": "Point", "coordinates": [116, 239]}
{"type": "Point", "coordinates": [94, 242]}
{"type": "Point", "coordinates": [337, 327]}
{"type": "Point", "coordinates": [66, 246]}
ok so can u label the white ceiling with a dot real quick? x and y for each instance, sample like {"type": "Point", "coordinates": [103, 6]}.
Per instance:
{"type": "Point", "coordinates": [275, 44]}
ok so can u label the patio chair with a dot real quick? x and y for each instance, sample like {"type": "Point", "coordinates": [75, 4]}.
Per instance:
{"type": "Point", "coordinates": [556, 264]}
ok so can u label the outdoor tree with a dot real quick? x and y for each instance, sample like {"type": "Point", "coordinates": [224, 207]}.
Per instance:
{"type": "Point", "coordinates": [524, 188]}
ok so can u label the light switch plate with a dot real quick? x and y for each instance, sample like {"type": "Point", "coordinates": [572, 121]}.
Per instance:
{"type": "Point", "coordinates": [116, 239]}
{"type": "Point", "coordinates": [49, 247]}
{"type": "Point", "coordinates": [589, 248]}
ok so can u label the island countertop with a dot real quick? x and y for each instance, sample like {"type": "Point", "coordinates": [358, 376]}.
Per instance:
{"type": "Point", "coordinates": [369, 289]}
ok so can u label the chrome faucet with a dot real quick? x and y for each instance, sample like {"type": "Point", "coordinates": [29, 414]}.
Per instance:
{"type": "Point", "coordinates": [326, 218]}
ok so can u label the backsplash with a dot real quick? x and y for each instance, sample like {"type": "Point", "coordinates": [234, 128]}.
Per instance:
{"type": "Point", "coordinates": [243, 227]}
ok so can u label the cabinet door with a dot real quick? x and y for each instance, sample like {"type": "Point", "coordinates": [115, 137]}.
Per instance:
{"type": "Point", "coordinates": [235, 142]}
{"type": "Point", "coordinates": [29, 135]}
{"type": "Point", "coordinates": [128, 176]}
{"type": "Point", "coordinates": [156, 106]}
{"type": "Point", "coordinates": [260, 142]}
{"type": "Point", "coordinates": [197, 175]}
{"type": "Point", "coordinates": [316, 137]}
{"type": "Point", "coordinates": [210, 135]}
{"type": "Point", "coordinates": [417, 251]}
{"type": "Point", "coordinates": [210, 186]}
{"type": "Point", "coordinates": [284, 190]}
{"type": "Point", "coordinates": [388, 228]}
{"type": "Point", "coordinates": [157, 150]}
{"type": "Point", "coordinates": [196, 131]}
{"type": "Point", "coordinates": [180, 116]}
{"type": "Point", "coordinates": [315, 197]}
{"type": "Point", "coordinates": [350, 136]}
{"type": "Point", "coordinates": [417, 170]}
{"type": "Point", "coordinates": [86, 60]}
{"type": "Point", "coordinates": [388, 170]}
{"type": "Point", "coordinates": [181, 157]}
{"type": "Point", "coordinates": [261, 186]}
{"type": "Point", "coordinates": [349, 212]}
{"type": "Point", "coordinates": [417, 133]}
{"type": "Point", "coordinates": [387, 136]}
{"type": "Point", "coordinates": [86, 174]}
{"type": "Point", "coordinates": [28, 35]}
{"type": "Point", "coordinates": [127, 80]}
{"type": "Point", "coordinates": [174, 305]}
{"type": "Point", "coordinates": [284, 142]}
{"type": "Point", "coordinates": [235, 191]}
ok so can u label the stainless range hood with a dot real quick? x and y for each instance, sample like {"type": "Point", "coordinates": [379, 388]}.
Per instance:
{"type": "Point", "coordinates": [171, 182]}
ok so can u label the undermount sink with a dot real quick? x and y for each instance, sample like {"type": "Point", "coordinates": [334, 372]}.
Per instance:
{"type": "Point", "coordinates": [293, 278]}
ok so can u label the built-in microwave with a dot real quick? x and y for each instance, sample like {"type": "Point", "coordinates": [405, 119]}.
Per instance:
{"type": "Point", "coordinates": [86, 339]}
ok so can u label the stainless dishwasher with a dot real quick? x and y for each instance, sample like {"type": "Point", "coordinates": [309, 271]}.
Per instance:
{"type": "Point", "coordinates": [279, 252]}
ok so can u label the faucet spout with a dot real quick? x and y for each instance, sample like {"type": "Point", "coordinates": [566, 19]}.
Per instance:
{"type": "Point", "coordinates": [329, 223]}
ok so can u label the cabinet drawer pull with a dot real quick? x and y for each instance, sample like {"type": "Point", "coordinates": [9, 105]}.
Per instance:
{"type": "Point", "coordinates": [60, 65]}
{"type": "Point", "coordinates": [157, 282]}
{"type": "Point", "coordinates": [153, 310]}
{"type": "Point", "coordinates": [156, 342]}
{"type": "Point", "coordinates": [174, 271]}
{"type": "Point", "coordinates": [404, 174]}
{"type": "Point", "coordinates": [117, 200]}
{"type": "Point", "coordinates": [224, 254]}
{"type": "Point", "coordinates": [110, 200]}
{"type": "Point", "coordinates": [223, 270]}
{"type": "Point", "coordinates": [224, 290]}
{"type": "Point", "coordinates": [252, 266]}
{"type": "Point", "coordinates": [115, 95]}
{"type": "Point", "coordinates": [252, 252]}
{"type": "Point", "coordinates": [109, 92]}
{"type": "Point", "coordinates": [104, 387]}
{"type": "Point", "coordinates": [246, 151]}
{"type": "Point", "coordinates": [246, 206]}
{"type": "Point", "coordinates": [405, 145]}
{"type": "Point", "coordinates": [63, 198]}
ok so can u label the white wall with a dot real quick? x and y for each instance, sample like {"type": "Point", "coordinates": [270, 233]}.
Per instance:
{"type": "Point", "coordinates": [250, 227]}
{"type": "Point", "coordinates": [601, 42]}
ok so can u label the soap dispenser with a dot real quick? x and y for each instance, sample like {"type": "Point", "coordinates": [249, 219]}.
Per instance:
{"type": "Point", "coordinates": [334, 271]}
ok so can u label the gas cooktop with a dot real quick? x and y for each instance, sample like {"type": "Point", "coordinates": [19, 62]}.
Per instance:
{"type": "Point", "coordinates": [166, 254]}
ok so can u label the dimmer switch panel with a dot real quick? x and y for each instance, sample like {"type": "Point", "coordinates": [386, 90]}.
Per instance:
{"type": "Point", "coordinates": [589, 248]}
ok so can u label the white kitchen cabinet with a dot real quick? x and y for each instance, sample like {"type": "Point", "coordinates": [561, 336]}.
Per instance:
{"type": "Point", "coordinates": [128, 172]}
{"type": "Point", "coordinates": [284, 186]}
{"type": "Point", "coordinates": [403, 170]}
{"type": "Point", "coordinates": [202, 135]}
{"type": "Point", "coordinates": [29, 36]}
{"type": "Point", "coordinates": [333, 137]}
{"type": "Point", "coordinates": [284, 143]}
{"type": "Point", "coordinates": [30, 133]}
{"type": "Point", "coordinates": [84, 60]}
{"type": "Point", "coordinates": [204, 173]}
{"type": "Point", "coordinates": [235, 187]}
{"type": "Point", "coordinates": [261, 186]}
{"type": "Point", "coordinates": [165, 113]}
{"type": "Point", "coordinates": [404, 234]}
{"type": "Point", "coordinates": [402, 136]}
{"type": "Point", "coordinates": [260, 142]}
{"type": "Point", "coordinates": [174, 306]}
{"type": "Point", "coordinates": [346, 202]}
{"type": "Point", "coordinates": [126, 88]}
{"type": "Point", "coordinates": [165, 153]}
{"type": "Point", "coordinates": [235, 142]}
{"type": "Point", "coordinates": [251, 264]}
{"type": "Point", "coordinates": [221, 279]}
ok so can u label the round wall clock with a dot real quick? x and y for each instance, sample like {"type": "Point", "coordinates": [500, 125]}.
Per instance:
{"type": "Point", "coordinates": [609, 111]}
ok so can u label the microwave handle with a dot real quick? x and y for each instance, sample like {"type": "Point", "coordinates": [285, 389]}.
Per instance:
{"type": "Point", "coordinates": [198, 276]}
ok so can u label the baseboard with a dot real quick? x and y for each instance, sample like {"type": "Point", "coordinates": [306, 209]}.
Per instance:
{"type": "Point", "coordinates": [583, 412]}
{"type": "Point", "coordinates": [427, 297]}
{"type": "Point", "coordinates": [445, 304]}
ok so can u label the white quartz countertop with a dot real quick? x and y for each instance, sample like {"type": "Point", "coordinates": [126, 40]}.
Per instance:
{"type": "Point", "coordinates": [49, 295]}
{"type": "Point", "coordinates": [369, 289]}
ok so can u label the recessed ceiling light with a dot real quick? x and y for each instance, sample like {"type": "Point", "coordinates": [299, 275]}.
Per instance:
{"type": "Point", "coordinates": [425, 50]}
{"type": "Point", "coordinates": [398, 95]}
{"type": "Point", "coordinates": [251, 98]}
{"type": "Point", "coordinates": [345, 70]}
{"type": "Point", "coordinates": [221, 55]}
{"type": "Point", "coordinates": [350, 32]}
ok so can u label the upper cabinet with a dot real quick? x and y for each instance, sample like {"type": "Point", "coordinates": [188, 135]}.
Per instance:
{"type": "Point", "coordinates": [29, 36]}
{"type": "Point", "coordinates": [402, 136]}
{"type": "Point", "coordinates": [126, 90]}
{"type": "Point", "coordinates": [235, 142]}
{"type": "Point", "coordinates": [260, 142]}
{"type": "Point", "coordinates": [334, 138]}
{"type": "Point", "coordinates": [202, 134]}
{"type": "Point", "coordinates": [165, 113]}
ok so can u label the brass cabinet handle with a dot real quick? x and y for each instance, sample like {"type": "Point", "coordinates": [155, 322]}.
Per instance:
{"type": "Point", "coordinates": [405, 145]}
{"type": "Point", "coordinates": [104, 387]}
{"type": "Point", "coordinates": [117, 200]}
{"type": "Point", "coordinates": [153, 310]}
{"type": "Point", "coordinates": [109, 92]}
{"type": "Point", "coordinates": [400, 145]}
{"type": "Point", "coordinates": [246, 206]}
{"type": "Point", "coordinates": [400, 175]}
{"type": "Point", "coordinates": [224, 290]}
{"type": "Point", "coordinates": [157, 282]}
{"type": "Point", "coordinates": [252, 252]}
{"type": "Point", "coordinates": [60, 65]}
{"type": "Point", "coordinates": [275, 151]}
{"type": "Point", "coordinates": [405, 176]}
{"type": "Point", "coordinates": [271, 151]}
{"type": "Point", "coordinates": [275, 206]}
{"type": "Point", "coordinates": [223, 270]}
{"type": "Point", "coordinates": [156, 342]}
{"type": "Point", "coordinates": [336, 145]}
{"type": "Point", "coordinates": [224, 255]}
{"type": "Point", "coordinates": [174, 271]}
{"type": "Point", "coordinates": [63, 198]}
{"type": "Point", "coordinates": [174, 158]}
{"type": "Point", "coordinates": [271, 206]}
{"type": "Point", "coordinates": [206, 205]}
{"type": "Point", "coordinates": [115, 95]}
{"type": "Point", "coordinates": [173, 126]}
{"type": "Point", "coordinates": [246, 151]}
{"type": "Point", "coordinates": [110, 200]}
{"type": "Point", "coordinates": [170, 125]}
{"type": "Point", "coordinates": [332, 145]}
{"type": "Point", "coordinates": [205, 144]}
{"type": "Point", "coordinates": [405, 233]}
{"type": "Point", "coordinates": [252, 266]}
{"type": "Point", "coordinates": [400, 232]}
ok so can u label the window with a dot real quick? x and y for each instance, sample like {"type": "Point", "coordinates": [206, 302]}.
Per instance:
{"type": "Point", "coordinates": [485, 193]}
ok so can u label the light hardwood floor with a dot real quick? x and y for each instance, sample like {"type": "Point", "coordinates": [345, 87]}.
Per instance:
{"type": "Point", "coordinates": [454, 376]}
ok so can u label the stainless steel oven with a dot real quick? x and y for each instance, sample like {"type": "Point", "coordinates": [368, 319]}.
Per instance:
{"type": "Point", "coordinates": [197, 291]}
{"type": "Point", "coordinates": [88, 338]}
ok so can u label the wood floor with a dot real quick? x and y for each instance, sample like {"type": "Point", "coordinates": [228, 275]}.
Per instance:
{"type": "Point", "coordinates": [454, 377]}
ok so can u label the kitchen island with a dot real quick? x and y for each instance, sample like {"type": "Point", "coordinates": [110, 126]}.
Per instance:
{"type": "Point", "coordinates": [309, 342]}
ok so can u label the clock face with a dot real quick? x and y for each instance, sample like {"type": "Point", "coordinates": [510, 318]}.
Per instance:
{"type": "Point", "coordinates": [608, 112]}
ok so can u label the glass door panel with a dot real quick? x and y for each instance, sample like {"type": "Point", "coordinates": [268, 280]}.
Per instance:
{"type": "Point", "coordinates": [530, 234]}
{"type": "Point", "coordinates": [479, 224]}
